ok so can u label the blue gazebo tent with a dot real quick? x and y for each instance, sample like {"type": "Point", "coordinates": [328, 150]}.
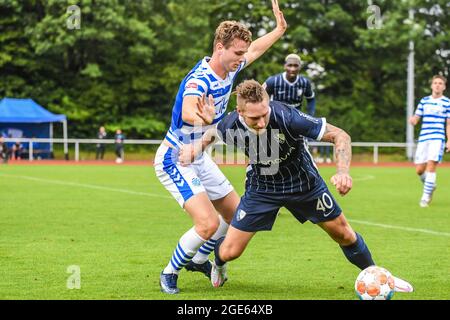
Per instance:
{"type": "Point", "coordinates": [24, 118]}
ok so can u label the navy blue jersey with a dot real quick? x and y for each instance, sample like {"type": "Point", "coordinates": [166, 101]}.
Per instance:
{"type": "Point", "coordinates": [280, 89]}
{"type": "Point", "coordinates": [282, 146]}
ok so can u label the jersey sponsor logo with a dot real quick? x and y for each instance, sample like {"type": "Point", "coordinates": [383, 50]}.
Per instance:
{"type": "Point", "coordinates": [241, 215]}
{"type": "Point", "coordinates": [278, 160]}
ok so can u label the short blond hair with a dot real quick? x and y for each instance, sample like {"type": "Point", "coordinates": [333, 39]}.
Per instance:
{"type": "Point", "coordinates": [293, 56]}
{"type": "Point", "coordinates": [227, 31]}
{"type": "Point", "coordinates": [250, 91]}
{"type": "Point", "coordinates": [438, 76]}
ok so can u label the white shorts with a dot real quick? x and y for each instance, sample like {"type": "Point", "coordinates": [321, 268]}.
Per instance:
{"type": "Point", "coordinates": [430, 150]}
{"type": "Point", "coordinates": [203, 175]}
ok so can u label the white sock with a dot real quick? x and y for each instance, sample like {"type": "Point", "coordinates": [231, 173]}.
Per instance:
{"type": "Point", "coordinates": [186, 249]}
{"type": "Point", "coordinates": [430, 184]}
{"type": "Point", "coordinates": [203, 253]}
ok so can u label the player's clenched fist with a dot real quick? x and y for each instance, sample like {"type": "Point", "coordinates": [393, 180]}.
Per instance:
{"type": "Point", "coordinates": [343, 183]}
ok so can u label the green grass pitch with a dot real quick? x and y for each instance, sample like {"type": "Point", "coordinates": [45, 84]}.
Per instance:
{"type": "Point", "coordinates": [120, 226]}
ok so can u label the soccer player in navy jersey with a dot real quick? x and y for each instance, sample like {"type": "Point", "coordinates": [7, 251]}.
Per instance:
{"type": "Point", "coordinates": [434, 110]}
{"type": "Point", "coordinates": [290, 87]}
{"type": "Point", "coordinates": [201, 189]}
{"type": "Point", "coordinates": [287, 177]}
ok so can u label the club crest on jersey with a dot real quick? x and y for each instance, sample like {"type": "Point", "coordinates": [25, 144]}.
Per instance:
{"type": "Point", "coordinates": [281, 138]}
{"type": "Point", "coordinates": [300, 91]}
{"type": "Point", "coordinates": [241, 214]}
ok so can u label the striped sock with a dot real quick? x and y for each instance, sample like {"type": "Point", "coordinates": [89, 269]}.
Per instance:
{"type": "Point", "coordinates": [208, 247]}
{"type": "Point", "coordinates": [187, 247]}
{"type": "Point", "coordinates": [430, 184]}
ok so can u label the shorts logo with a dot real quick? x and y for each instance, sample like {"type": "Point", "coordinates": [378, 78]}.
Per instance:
{"type": "Point", "coordinates": [241, 214]}
{"type": "Point", "coordinates": [196, 182]}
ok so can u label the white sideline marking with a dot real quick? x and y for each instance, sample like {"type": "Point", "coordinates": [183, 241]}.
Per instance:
{"type": "Point", "coordinates": [364, 178]}
{"type": "Point", "coordinates": [90, 186]}
{"type": "Point", "coordinates": [387, 226]}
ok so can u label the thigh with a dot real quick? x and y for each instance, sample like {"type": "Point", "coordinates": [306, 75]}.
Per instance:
{"type": "Point", "coordinates": [256, 212]}
{"type": "Point", "coordinates": [200, 208]}
{"type": "Point", "coordinates": [318, 206]}
{"type": "Point", "coordinates": [421, 156]}
{"type": "Point", "coordinates": [227, 205]}
{"type": "Point", "coordinates": [436, 151]}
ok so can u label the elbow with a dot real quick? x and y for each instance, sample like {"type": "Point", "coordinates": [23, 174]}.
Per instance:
{"type": "Point", "coordinates": [344, 136]}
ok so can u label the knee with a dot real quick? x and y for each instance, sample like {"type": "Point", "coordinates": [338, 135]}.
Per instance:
{"type": "Point", "coordinates": [208, 227]}
{"type": "Point", "coordinates": [420, 171]}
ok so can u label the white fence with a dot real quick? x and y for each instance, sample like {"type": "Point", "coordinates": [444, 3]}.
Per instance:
{"type": "Point", "coordinates": [375, 145]}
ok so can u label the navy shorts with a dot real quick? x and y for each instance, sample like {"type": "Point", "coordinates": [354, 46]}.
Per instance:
{"type": "Point", "coordinates": [257, 211]}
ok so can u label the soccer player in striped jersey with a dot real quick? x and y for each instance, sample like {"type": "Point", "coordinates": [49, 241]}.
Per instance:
{"type": "Point", "coordinates": [201, 189]}
{"type": "Point", "coordinates": [434, 111]}
{"type": "Point", "coordinates": [290, 87]}
{"type": "Point", "coordinates": [286, 178]}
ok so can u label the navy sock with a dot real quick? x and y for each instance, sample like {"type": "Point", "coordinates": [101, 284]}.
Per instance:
{"type": "Point", "coordinates": [219, 262]}
{"type": "Point", "coordinates": [358, 253]}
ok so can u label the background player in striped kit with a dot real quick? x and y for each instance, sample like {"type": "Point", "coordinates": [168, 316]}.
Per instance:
{"type": "Point", "coordinates": [201, 188]}
{"type": "Point", "coordinates": [290, 87]}
{"type": "Point", "coordinates": [295, 184]}
{"type": "Point", "coordinates": [434, 110]}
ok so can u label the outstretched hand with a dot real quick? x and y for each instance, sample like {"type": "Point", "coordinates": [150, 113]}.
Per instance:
{"type": "Point", "coordinates": [343, 183]}
{"type": "Point", "coordinates": [281, 22]}
{"type": "Point", "coordinates": [206, 109]}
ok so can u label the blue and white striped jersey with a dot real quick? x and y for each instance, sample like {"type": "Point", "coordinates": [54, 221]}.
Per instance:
{"type": "Point", "coordinates": [280, 89]}
{"type": "Point", "coordinates": [434, 113]}
{"type": "Point", "coordinates": [201, 79]}
{"type": "Point", "coordinates": [282, 144]}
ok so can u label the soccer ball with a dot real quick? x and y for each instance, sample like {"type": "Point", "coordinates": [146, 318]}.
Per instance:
{"type": "Point", "coordinates": [374, 283]}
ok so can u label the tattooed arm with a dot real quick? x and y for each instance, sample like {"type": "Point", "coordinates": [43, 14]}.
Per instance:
{"type": "Point", "coordinates": [343, 147]}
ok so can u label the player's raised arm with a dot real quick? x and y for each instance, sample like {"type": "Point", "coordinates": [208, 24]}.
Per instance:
{"type": "Point", "coordinates": [343, 146]}
{"type": "Point", "coordinates": [260, 45]}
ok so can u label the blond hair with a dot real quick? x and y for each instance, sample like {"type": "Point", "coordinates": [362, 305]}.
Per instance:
{"type": "Point", "coordinates": [438, 76]}
{"type": "Point", "coordinates": [227, 31]}
{"type": "Point", "coordinates": [250, 91]}
{"type": "Point", "coordinates": [294, 57]}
